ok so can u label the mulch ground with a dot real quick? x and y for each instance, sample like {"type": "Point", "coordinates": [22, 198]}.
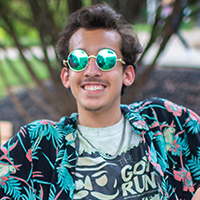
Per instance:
{"type": "Point", "coordinates": [180, 85]}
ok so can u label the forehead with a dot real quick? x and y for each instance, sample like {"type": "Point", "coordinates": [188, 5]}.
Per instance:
{"type": "Point", "coordinates": [94, 40]}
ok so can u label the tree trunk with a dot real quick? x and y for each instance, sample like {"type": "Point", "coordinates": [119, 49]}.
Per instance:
{"type": "Point", "coordinates": [96, 2]}
{"type": "Point", "coordinates": [133, 9]}
{"type": "Point", "coordinates": [170, 27]}
{"type": "Point", "coordinates": [74, 5]}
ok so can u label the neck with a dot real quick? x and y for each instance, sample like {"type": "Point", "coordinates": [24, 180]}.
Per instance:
{"type": "Point", "coordinates": [98, 119]}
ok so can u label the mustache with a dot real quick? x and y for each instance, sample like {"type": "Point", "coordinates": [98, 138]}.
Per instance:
{"type": "Point", "coordinates": [94, 79]}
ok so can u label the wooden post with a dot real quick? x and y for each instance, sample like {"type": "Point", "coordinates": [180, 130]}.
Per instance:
{"type": "Point", "coordinates": [6, 131]}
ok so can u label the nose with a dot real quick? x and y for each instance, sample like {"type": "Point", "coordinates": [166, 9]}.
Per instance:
{"type": "Point", "coordinates": [92, 69]}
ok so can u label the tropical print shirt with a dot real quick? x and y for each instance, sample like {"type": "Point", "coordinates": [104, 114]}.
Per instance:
{"type": "Point", "coordinates": [40, 161]}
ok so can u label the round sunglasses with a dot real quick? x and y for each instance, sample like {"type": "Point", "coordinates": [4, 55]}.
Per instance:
{"type": "Point", "coordinates": [106, 59]}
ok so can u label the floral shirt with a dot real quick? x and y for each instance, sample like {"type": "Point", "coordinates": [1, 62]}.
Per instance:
{"type": "Point", "coordinates": [40, 161]}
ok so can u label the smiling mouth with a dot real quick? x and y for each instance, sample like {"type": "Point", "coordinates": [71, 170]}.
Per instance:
{"type": "Point", "coordinates": [93, 87]}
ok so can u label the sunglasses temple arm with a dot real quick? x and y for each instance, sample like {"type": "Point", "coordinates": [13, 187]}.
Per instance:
{"type": "Point", "coordinates": [65, 62]}
{"type": "Point", "coordinates": [120, 60]}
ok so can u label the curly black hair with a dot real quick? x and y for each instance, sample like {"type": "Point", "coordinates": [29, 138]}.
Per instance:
{"type": "Point", "coordinates": [101, 16]}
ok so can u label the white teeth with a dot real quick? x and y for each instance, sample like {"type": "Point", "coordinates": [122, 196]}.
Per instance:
{"type": "Point", "coordinates": [93, 87]}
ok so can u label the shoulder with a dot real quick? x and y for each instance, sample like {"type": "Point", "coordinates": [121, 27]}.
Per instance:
{"type": "Point", "coordinates": [156, 104]}
{"type": "Point", "coordinates": [162, 110]}
{"type": "Point", "coordinates": [45, 129]}
{"type": "Point", "coordinates": [46, 125]}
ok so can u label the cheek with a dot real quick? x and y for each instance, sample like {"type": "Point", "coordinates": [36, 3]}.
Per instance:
{"type": "Point", "coordinates": [74, 82]}
{"type": "Point", "coordinates": [71, 83]}
{"type": "Point", "coordinates": [118, 81]}
{"type": "Point", "coordinates": [73, 78]}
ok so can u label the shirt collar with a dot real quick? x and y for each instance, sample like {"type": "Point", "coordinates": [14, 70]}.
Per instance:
{"type": "Point", "coordinates": [136, 120]}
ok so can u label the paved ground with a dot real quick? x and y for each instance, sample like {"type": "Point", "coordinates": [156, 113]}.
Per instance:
{"type": "Point", "coordinates": [175, 54]}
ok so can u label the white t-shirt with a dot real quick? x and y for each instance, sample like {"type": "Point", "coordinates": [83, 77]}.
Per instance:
{"type": "Point", "coordinates": [128, 176]}
{"type": "Point", "coordinates": [107, 139]}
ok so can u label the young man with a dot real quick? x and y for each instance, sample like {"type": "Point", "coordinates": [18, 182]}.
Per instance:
{"type": "Point", "coordinates": [146, 150]}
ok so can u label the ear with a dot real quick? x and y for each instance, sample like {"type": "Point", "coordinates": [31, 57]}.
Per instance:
{"type": "Point", "coordinates": [65, 77]}
{"type": "Point", "coordinates": [129, 75]}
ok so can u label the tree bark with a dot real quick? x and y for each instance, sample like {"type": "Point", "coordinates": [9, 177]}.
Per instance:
{"type": "Point", "coordinates": [170, 27]}
{"type": "Point", "coordinates": [96, 2]}
{"type": "Point", "coordinates": [74, 5]}
{"type": "Point", "coordinates": [133, 9]}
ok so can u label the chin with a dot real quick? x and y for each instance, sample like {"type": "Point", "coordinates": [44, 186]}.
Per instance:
{"type": "Point", "coordinates": [93, 108]}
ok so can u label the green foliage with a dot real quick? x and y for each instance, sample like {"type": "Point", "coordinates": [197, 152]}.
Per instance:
{"type": "Point", "coordinates": [5, 39]}
{"type": "Point", "coordinates": [87, 2]}
{"type": "Point", "coordinates": [142, 27]}
{"type": "Point", "coordinates": [20, 14]}
{"type": "Point", "coordinates": [25, 29]}
{"type": "Point", "coordinates": [38, 67]}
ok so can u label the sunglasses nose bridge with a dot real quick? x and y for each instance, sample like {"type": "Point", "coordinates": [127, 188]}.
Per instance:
{"type": "Point", "coordinates": [91, 56]}
{"type": "Point", "coordinates": [92, 67]}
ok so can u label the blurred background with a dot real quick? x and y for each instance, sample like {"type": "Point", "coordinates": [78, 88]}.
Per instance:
{"type": "Point", "coordinates": [30, 86]}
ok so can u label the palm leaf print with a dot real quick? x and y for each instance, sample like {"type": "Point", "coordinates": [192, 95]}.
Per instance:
{"type": "Point", "coordinates": [52, 192]}
{"type": "Point", "coordinates": [194, 165]}
{"type": "Point", "coordinates": [64, 178]}
{"type": "Point", "coordinates": [12, 188]}
{"type": "Point", "coordinates": [194, 126]}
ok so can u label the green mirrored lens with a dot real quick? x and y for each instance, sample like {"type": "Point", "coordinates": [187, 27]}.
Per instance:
{"type": "Point", "coordinates": [78, 60]}
{"type": "Point", "coordinates": [106, 59]}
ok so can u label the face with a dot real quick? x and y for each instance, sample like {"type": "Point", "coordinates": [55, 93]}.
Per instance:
{"type": "Point", "coordinates": [93, 89]}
